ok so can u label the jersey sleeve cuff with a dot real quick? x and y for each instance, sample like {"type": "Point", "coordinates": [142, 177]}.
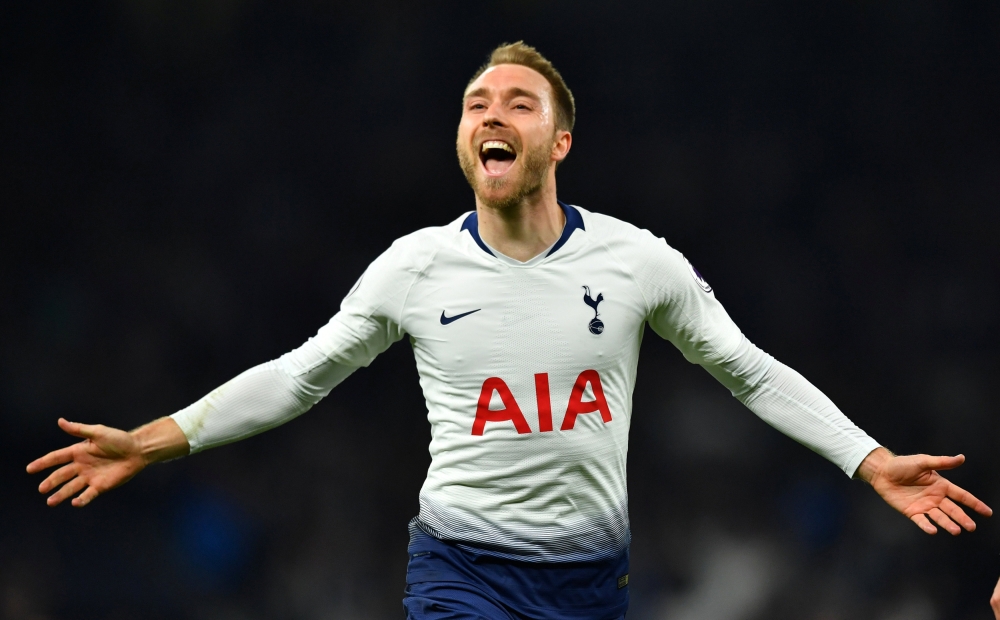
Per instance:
{"type": "Point", "coordinates": [865, 447]}
{"type": "Point", "coordinates": [190, 420]}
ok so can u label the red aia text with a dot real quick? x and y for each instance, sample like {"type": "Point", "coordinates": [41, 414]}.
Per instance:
{"type": "Point", "coordinates": [511, 411]}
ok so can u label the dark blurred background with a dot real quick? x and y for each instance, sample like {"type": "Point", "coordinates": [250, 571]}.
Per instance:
{"type": "Point", "coordinates": [190, 187]}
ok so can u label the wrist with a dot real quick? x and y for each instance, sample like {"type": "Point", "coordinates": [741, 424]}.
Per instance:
{"type": "Point", "coordinates": [160, 440]}
{"type": "Point", "coordinates": [873, 464]}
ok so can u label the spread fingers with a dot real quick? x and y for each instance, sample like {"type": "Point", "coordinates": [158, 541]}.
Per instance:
{"type": "Point", "coordinates": [56, 457]}
{"type": "Point", "coordinates": [924, 523]}
{"type": "Point", "coordinates": [68, 490]}
{"type": "Point", "coordinates": [86, 497]}
{"type": "Point", "coordinates": [58, 477]}
{"type": "Point", "coordinates": [942, 519]}
{"type": "Point", "coordinates": [962, 496]}
{"type": "Point", "coordinates": [957, 515]}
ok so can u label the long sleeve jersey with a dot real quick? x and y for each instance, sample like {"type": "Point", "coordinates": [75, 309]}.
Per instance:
{"type": "Point", "coordinates": [527, 370]}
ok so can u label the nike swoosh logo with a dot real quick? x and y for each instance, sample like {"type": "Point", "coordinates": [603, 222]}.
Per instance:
{"type": "Point", "coordinates": [451, 319]}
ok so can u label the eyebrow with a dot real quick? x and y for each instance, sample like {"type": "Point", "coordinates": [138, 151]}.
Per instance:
{"type": "Point", "coordinates": [512, 92]}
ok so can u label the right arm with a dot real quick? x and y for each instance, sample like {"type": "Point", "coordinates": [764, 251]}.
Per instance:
{"type": "Point", "coordinates": [106, 458]}
{"type": "Point", "coordinates": [259, 399]}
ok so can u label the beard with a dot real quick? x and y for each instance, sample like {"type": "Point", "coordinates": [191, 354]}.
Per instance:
{"type": "Point", "coordinates": [490, 191]}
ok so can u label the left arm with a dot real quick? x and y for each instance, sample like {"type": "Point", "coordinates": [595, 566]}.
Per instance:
{"type": "Point", "coordinates": [682, 308]}
{"type": "Point", "coordinates": [787, 401]}
{"type": "Point", "coordinates": [911, 485]}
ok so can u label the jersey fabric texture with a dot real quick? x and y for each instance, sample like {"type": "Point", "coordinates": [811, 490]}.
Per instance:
{"type": "Point", "coordinates": [527, 370]}
{"type": "Point", "coordinates": [444, 580]}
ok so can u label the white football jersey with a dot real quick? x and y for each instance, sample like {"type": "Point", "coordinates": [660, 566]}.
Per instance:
{"type": "Point", "coordinates": [527, 370]}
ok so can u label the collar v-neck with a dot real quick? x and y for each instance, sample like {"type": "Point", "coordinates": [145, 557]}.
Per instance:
{"type": "Point", "coordinates": [573, 221]}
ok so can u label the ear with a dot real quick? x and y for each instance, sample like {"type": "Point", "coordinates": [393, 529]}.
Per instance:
{"type": "Point", "coordinates": [561, 146]}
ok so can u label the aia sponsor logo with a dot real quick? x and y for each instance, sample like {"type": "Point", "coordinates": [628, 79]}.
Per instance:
{"type": "Point", "coordinates": [511, 411]}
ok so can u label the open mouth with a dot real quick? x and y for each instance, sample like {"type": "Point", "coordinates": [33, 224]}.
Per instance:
{"type": "Point", "coordinates": [497, 157]}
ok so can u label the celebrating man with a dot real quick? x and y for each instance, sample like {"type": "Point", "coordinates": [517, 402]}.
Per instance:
{"type": "Point", "coordinates": [526, 317]}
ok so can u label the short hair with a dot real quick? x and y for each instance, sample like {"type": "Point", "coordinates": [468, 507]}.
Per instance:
{"type": "Point", "coordinates": [522, 54]}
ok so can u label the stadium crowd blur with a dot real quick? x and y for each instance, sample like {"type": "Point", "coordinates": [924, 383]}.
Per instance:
{"type": "Point", "coordinates": [190, 188]}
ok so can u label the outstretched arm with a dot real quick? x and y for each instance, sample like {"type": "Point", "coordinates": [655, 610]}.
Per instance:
{"type": "Point", "coordinates": [911, 485]}
{"type": "Point", "coordinates": [786, 400]}
{"type": "Point", "coordinates": [106, 458]}
{"type": "Point", "coordinates": [683, 309]}
{"type": "Point", "coordinates": [259, 399]}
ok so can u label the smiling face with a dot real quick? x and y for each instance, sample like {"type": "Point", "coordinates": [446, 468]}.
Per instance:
{"type": "Point", "coordinates": [508, 143]}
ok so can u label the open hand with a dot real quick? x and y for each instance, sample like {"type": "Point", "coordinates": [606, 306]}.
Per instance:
{"type": "Point", "coordinates": [106, 458]}
{"type": "Point", "coordinates": [911, 485]}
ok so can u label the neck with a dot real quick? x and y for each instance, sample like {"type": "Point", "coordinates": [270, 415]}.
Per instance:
{"type": "Point", "coordinates": [525, 230]}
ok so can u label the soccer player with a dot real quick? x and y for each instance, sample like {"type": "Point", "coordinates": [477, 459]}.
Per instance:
{"type": "Point", "coordinates": [525, 317]}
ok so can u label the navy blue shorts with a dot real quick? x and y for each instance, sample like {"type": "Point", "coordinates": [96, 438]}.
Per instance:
{"type": "Point", "coordinates": [444, 581]}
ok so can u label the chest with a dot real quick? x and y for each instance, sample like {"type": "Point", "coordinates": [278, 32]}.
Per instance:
{"type": "Point", "coordinates": [582, 314]}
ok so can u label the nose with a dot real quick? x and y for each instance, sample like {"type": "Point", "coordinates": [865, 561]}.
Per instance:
{"type": "Point", "coordinates": [494, 116]}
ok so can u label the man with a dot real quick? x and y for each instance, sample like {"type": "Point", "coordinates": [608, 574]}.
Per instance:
{"type": "Point", "coordinates": [526, 317]}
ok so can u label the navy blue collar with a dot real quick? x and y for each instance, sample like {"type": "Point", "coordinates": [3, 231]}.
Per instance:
{"type": "Point", "coordinates": [573, 221]}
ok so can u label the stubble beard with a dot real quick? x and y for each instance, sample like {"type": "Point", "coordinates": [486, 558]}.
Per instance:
{"type": "Point", "coordinates": [534, 168]}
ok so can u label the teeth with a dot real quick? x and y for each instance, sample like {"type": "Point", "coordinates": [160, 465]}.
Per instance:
{"type": "Point", "coordinates": [496, 144]}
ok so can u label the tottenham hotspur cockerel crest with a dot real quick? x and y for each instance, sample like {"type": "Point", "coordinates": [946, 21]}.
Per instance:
{"type": "Point", "coordinates": [596, 325]}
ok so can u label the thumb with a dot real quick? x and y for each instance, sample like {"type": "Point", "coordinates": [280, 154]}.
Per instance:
{"type": "Point", "coordinates": [940, 462]}
{"type": "Point", "coordinates": [86, 431]}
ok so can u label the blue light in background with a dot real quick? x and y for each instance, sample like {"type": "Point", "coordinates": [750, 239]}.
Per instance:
{"type": "Point", "coordinates": [215, 540]}
{"type": "Point", "coordinates": [816, 511]}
